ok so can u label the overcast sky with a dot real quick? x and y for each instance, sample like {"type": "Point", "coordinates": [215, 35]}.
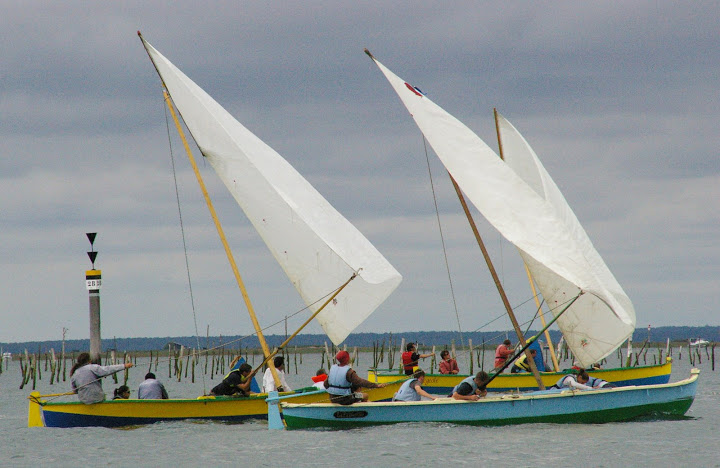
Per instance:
{"type": "Point", "coordinates": [618, 99]}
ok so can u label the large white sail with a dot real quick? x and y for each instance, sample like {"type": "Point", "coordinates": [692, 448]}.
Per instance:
{"type": "Point", "coordinates": [589, 309]}
{"type": "Point", "coordinates": [314, 244]}
{"type": "Point", "coordinates": [560, 255]}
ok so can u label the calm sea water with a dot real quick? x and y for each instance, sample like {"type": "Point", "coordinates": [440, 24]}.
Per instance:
{"type": "Point", "coordinates": [688, 442]}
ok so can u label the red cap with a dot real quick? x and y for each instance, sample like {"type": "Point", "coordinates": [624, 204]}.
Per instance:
{"type": "Point", "coordinates": [343, 357]}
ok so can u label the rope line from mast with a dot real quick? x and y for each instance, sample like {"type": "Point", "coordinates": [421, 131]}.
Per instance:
{"type": "Point", "coordinates": [182, 231]}
{"type": "Point", "coordinates": [442, 240]}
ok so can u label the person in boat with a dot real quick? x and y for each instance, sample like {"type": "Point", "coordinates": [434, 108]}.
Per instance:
{"type": "Point", "coordinates": [411, 358]}
{"type": "Point", "coordinates": [502, 353]}
{"type": "Point", "coordinates": [596, 382]}
{"type": "Point", "coordinates": [319, 379]}
{"type": "Point", "coordinates": [236, 382]}
{"type": "Point", "coordinates": [411, 389]}
{"type": "Point", "coordinates": [152, 389]}
{"type": "Point", "coordinates": [448, 365]}
{"type": "Point", "coordinates": [574, 381]}
{"type": "Point", "coordinates": [343, 382]}
{"type": "Point", "coordinates": [269, 381]}
{"type": "Point", "coordinates": [86, 378]}
{"type": "Point", "coordinates": [471, 388]}
{"type": "Point", "coordinates": [521, 364]}
{"type": "Point", "coordinates": [121, 393]}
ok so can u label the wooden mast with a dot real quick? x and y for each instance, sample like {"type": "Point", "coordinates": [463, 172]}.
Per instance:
{"type": "Point", "coordinates": [498, 284]}
{"type": "Point", "coordinates": [553, 356]}
{"type": "Point", "coordinates": [228, 252]}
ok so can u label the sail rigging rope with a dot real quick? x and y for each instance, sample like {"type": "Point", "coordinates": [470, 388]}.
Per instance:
{"type": "Point", "coordinates": [182, 230]}
{"type": "Point", "coordinates": [442, 240]}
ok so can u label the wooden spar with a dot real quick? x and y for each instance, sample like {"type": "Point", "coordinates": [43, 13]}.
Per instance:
{"type": "Point", "coordinates": [290, 338]}
{"type": "Point", "coordinates": [553, 356]}
{"type": "Point", "coordinates": [530, 278]}
{"type": "Point", "coordinates": [221, 233]}
{"type": "Point", "coordinates": [499, 286]}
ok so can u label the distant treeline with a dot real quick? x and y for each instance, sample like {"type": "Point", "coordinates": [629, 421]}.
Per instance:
{"type": "Point", "coordinates": [363, 340]}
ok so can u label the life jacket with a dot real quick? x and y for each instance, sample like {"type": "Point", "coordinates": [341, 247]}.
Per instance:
{"type": "Point", "coordinates": [468, 380]}
{"type": "Point", "coordinates": [243, 379]}
{"type": "Point", "coordinates": [521, 363]}
{"type": "Point", "coordinates": [338, 383]}
{"type": "Point", "coordinates": [319, 378]}
{"type": "Point", "coordinates": [408, 364]}
{"type": "Point", "coordinates": [406, 393]}
{"type": "Point", "coordinates": [595, 382]}
{"type": "Point", "coordinates": [561, 383]}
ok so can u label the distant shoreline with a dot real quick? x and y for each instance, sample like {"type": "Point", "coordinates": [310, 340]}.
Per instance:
{"type": "Point", "coordinates": [658, 337]}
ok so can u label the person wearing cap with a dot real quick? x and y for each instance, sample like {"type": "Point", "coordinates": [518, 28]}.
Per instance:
{"type": "Point", "coordinates": [269, 381]}
{"type": "Point", "coordinates": [343, 382]}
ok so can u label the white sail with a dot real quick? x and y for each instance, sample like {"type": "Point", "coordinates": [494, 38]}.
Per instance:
{"type": "Point", "coordinates": [562, 261]}
{"type": "Point", "coordinates": [314, 244]}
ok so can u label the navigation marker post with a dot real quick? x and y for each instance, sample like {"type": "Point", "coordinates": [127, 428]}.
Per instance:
{"type": "Point", "coordinates": [93, 282]}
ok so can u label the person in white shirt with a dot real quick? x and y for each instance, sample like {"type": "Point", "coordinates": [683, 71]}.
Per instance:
{"type": "Point", "coordinates": [269, 382]}
{"type": "Point", "coordinates": [574, 382]}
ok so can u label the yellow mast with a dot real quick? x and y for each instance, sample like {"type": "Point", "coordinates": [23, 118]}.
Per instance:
{"type": "Point", "coordinates": [228, 252]}
{"type": "Point", "coordinates": [556, 367]}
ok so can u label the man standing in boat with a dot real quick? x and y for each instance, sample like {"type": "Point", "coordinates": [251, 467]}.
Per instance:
{"type": "Point", "coordinates": [411, 358]}
{"type": "Point", "coordinates": [343, 382]}
{"type": "Point", "coordinates": [502, 353]}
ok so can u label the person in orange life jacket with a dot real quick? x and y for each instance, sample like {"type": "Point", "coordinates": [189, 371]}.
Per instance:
{"type": "Point", "coordinates": [471, 388]}
{"type": "Point", "coordinates": [447, 364]}
{"type": "Point", "coordinates": [502, 353]}
{"type": "Point", "coordinates": [411, 389]}
{"type": "Point", "coordinates": [343, 382]}
{"type": "Point", "coordinates": [521, 365]}
{"type": "Point", "coordinates": [410, 358]}
{"type": "Point", "coordinates": [319, 379]}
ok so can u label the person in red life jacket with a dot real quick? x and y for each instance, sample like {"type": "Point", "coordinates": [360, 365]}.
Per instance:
{"type": "Point", "coordinates": [503, 352]}
{"type": "Point", "coordinates": [319, 379]}
{"type": "Point", "coordinates": [448, 365]}
{"type": "Point", "coordinates": [343, 382]}
{"type": "Point", "coordinates": [410, 358]}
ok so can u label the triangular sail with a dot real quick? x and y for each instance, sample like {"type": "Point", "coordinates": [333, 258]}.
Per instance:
{"type": "Point", "coordinates": [523, 160]}
{"type": "Point", "coordinates": [314, 244]}
{"type": "Point", "coordinates": [593, 327]}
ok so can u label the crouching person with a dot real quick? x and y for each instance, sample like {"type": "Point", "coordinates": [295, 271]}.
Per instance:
{"type": "Point", "coordinates": [471, 388]}
{"type": "Point", "coordinates": [411, 389]}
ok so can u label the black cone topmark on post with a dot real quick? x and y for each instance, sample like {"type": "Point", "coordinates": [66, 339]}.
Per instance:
{"type": "Point", "coordinates": [93, 282]}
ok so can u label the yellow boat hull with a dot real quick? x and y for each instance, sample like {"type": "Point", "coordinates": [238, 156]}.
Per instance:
{"type": "Point", "coordinates": [623, 376]}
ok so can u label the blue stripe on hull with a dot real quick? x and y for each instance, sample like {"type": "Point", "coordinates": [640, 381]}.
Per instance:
{"type": "Point", "coordinates": [56, 419]}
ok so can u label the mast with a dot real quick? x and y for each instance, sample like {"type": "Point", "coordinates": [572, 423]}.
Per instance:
{"type": "Point", "coordinates": [221, 233]}
{"type": "Point", "coordinates": [498, 285]}
{"type": "Point", "coordinates": [556, 367]}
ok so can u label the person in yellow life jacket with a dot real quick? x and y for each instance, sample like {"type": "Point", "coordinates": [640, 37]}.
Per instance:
{"type": "Point", "coordinates": [410, 358]}
{"type": "Point", "coordinates": [521, 364]}
{"type": "Point", "coordinates": [236, 382]}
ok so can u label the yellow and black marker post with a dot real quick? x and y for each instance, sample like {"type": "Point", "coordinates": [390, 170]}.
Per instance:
{"type": "Point", "coordinates": [93, 282]}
